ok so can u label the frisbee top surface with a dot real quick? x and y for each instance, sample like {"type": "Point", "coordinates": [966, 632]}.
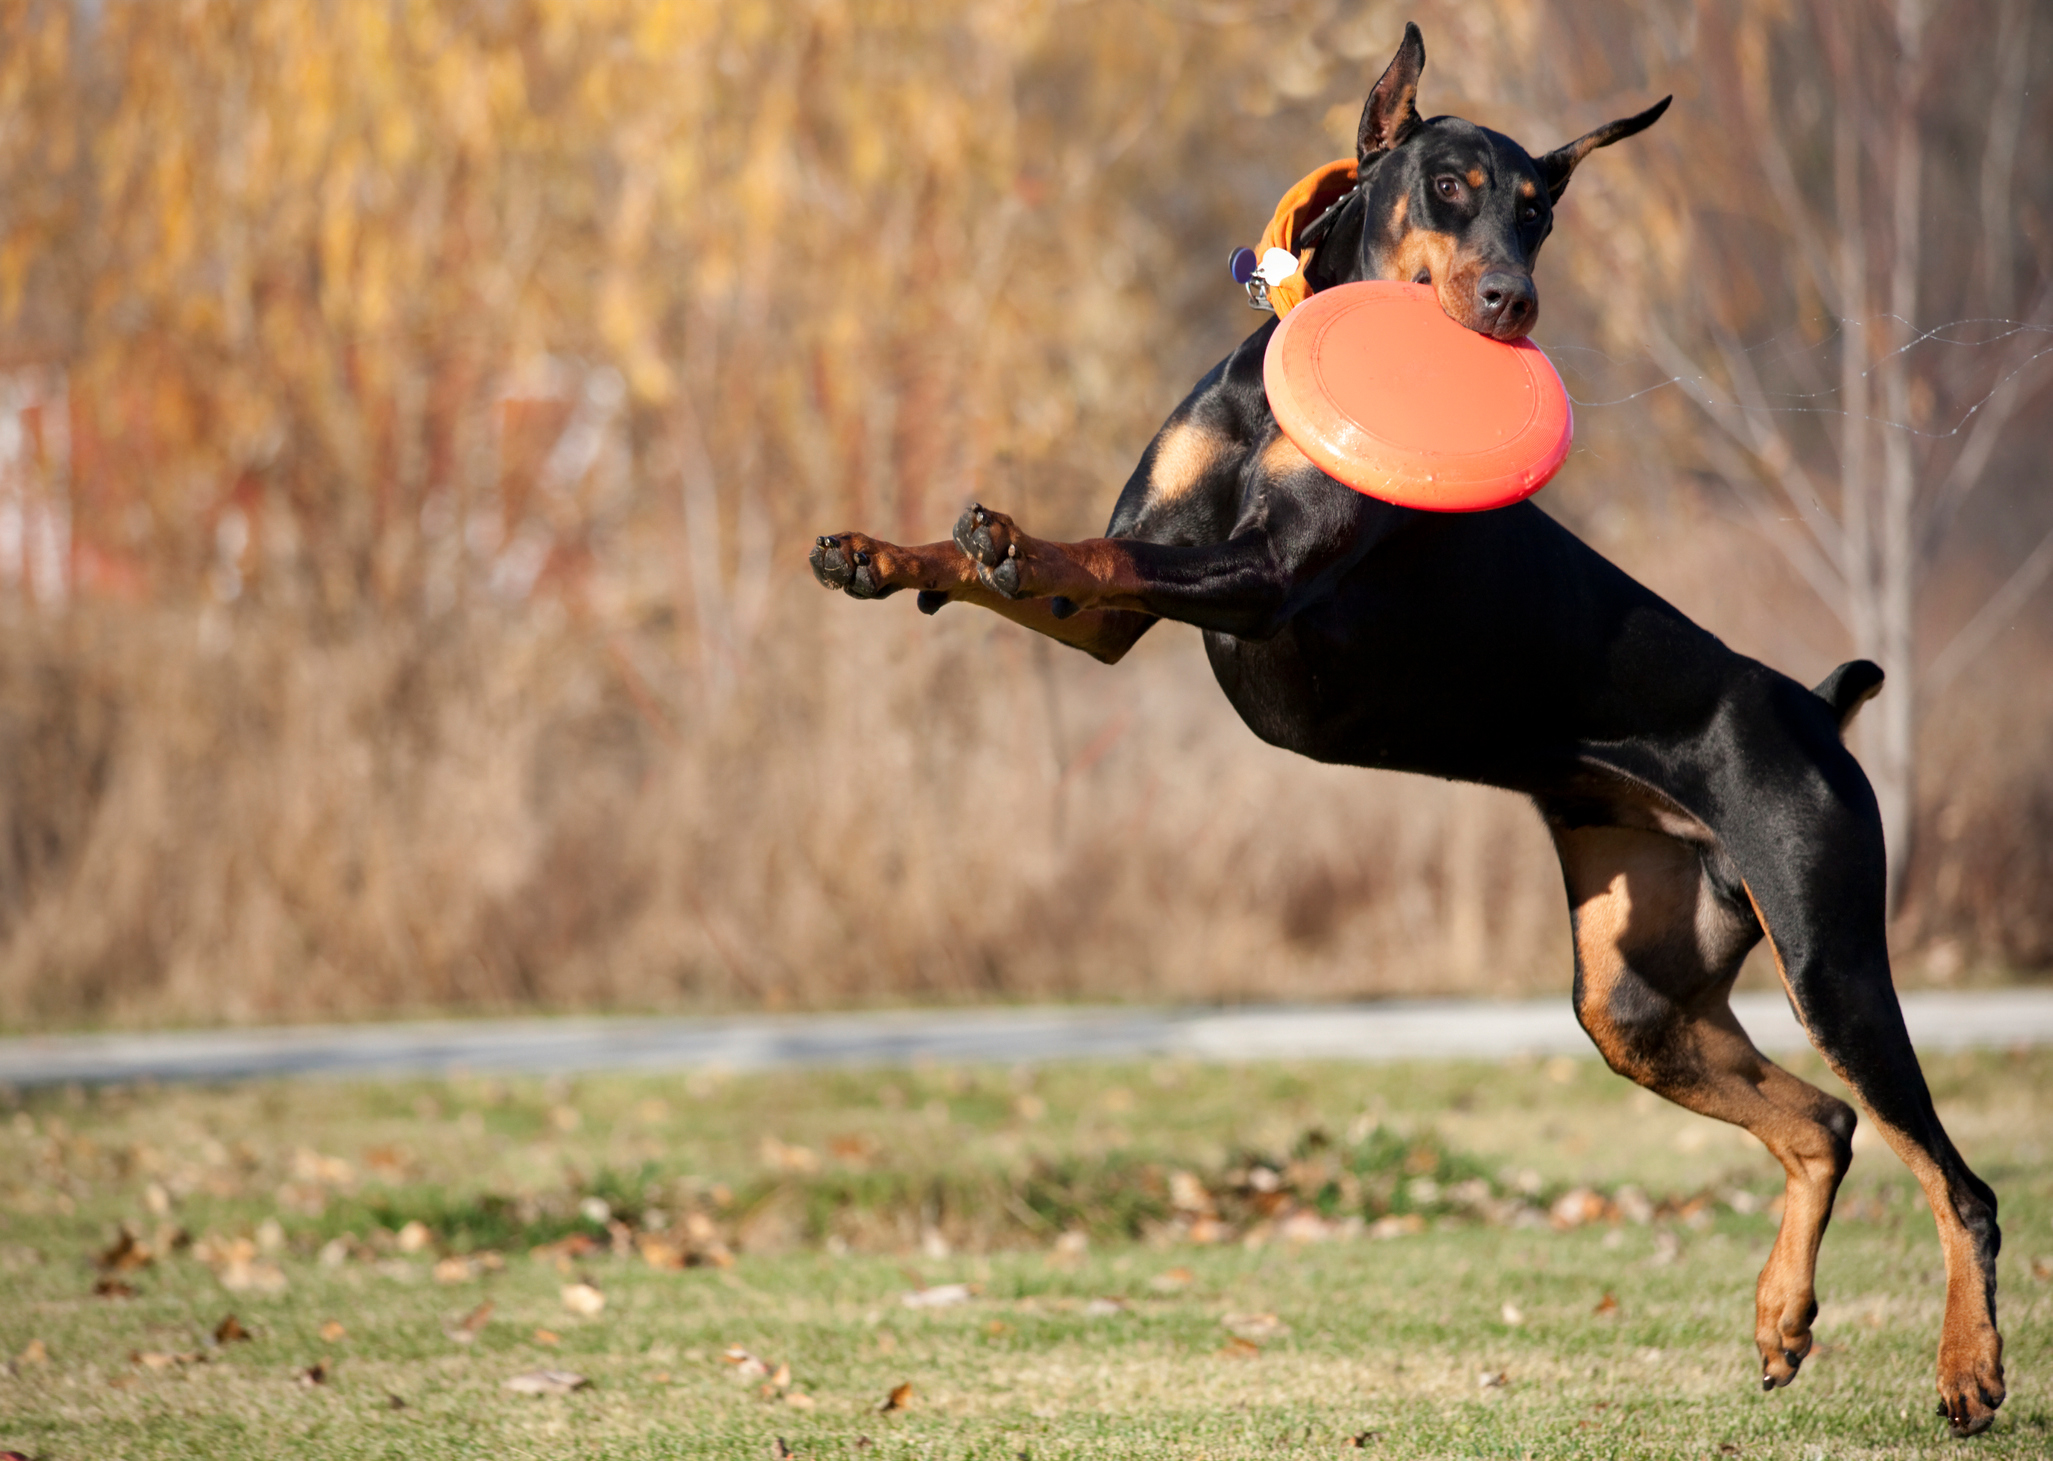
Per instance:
{"type": "Point", "coordinates": [1385, 393]}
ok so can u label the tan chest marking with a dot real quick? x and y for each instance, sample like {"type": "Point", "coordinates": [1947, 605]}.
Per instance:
{"type": "Point", "coordinates": [1281, 458]}
{"type": "Point", "coordinates": [1186, 454]}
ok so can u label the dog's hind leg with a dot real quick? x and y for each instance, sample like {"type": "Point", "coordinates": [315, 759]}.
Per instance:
{"type": "Point", "coordinates": [1658, 942]}
{"type": "Point", "coordinates": [1813, 863]}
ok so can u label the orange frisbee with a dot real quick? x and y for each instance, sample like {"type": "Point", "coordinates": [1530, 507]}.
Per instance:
{"type": "Point", "coordinates": [1383, 392]}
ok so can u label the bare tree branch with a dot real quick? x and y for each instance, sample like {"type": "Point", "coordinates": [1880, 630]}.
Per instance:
{"type": "Point", "coordinates": [1991, 619]}
{"type": "Point", "coordinates": [1802, 554]}
{"type": "Point", "coordinates": [1991, 416]}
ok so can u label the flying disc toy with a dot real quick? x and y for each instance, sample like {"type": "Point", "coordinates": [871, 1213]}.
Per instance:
{"type": "Point", "coordinates": [1385, 393]}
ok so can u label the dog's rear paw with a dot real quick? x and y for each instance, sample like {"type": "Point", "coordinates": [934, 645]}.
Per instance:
{"type": "Point", "coordinates": [853, 563]}
{"type": "Point", "coordinates": [1781, 1361]}
{"type": "Point", "coordinates": [990, 541]}
{"type": "Point", "coordinates": [1971, 1385]}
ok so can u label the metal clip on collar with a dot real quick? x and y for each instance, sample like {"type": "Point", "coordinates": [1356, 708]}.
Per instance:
{"type": "Point", "coordinates": [1257, 274]}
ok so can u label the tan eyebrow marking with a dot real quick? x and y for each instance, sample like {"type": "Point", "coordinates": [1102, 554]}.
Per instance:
{"type": "Point", "coordinates": [1475, 177]}
{"type": "Point", "coordinates": [1527, 190]}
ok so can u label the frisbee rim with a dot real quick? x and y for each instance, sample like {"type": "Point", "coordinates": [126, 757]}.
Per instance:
{"type": "Point", "coordinates": [1361, 457]}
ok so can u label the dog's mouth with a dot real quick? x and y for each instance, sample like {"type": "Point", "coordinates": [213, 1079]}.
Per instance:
{"type": "Point", "coordinates": [1501, 304]}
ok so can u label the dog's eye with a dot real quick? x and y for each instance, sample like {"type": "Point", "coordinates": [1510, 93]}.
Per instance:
{"type": "Point", "coordinates": [1528, 213]}
{"type": "Point", "coordinates": [1448, 187]}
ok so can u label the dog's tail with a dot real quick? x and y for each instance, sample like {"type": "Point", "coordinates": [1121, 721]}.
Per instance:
{"type": "Point", "coordinates": [1850, 687]}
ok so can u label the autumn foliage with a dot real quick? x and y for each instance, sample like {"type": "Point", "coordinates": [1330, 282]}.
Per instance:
{"type": "Point", "coordinates": [412, 420]}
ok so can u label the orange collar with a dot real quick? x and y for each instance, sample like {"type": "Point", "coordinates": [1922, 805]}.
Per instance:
{"type": "Point", "coordinates": [1310, 196]}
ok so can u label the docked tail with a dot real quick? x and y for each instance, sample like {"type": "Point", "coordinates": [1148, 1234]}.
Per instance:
{"type": "Point", "coordinates": [1848, 688]}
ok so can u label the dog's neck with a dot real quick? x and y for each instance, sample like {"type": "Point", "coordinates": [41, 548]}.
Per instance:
{"type": "Point", "coordinates": [1342, 255]}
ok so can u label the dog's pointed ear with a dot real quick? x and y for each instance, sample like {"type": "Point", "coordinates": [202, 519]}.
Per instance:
{"type": "Point", "coordinates": [1557, 165]}
{"type": "Point", "coordinates": [1391, 112]}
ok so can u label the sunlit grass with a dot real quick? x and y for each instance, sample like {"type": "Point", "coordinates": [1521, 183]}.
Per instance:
{"type": "Point", "coordinates": [838, 1194]}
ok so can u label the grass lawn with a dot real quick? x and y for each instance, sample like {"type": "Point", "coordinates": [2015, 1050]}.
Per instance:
{"type": "Point", "coordinates": [1174, 1260]}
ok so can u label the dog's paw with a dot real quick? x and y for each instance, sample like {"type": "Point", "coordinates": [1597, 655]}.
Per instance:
{"type": "Point", "coordinates": [990, 541]}
{"type": "Point", "coordinates": [855, 564]}
{"type": "Point", "coordinates": [1971, 1382]}
{"type": "Point", "coordinates": [1783, 1336]}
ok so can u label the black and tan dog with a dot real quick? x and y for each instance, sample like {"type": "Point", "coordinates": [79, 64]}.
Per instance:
{"type": "Point", "coordinates": [1697, 798]}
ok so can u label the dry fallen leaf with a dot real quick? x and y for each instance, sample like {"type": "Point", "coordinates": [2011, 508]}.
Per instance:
{"type": "Point", "coordinates": [779, 1450]}
{"type": "Point", "coordinates": [940, 1296]}
{"type": "Point", "coordinates": [1360, 1439]}
{"type": "Point", "coordinates": [333, 1330]}
{"type": "Point", "coordinates": [1103, 1308]}
{"type": "Point", "coordinates": [547, 1382]}
{"type": "Point", "coordinates": [1491, 1379]}
{"type": "Point", "coordinates": [113, 1288]}
{"type": "Point", "coordinates": [1511, 1313]}
{"type": "Point", "coordinates": [467, 1329]}
{"type": "Point", "coordinates": [797, 1400]}
{"type": "Point", "coordinates": [1239, 1348]}
{"type": "Point", "coordinates": [455, 1270]}
{"type": "Point", "coordinates": [781, 1377]}
{"type": "Point", "coordinates": [127, 1253]}
{"type": "Point", "coordinates": [547, 1336]}
{"type": "Point", "coordinates": [259, 1276]}
{"type": "Point", "coordinates": [36, 1353]}
{"type": "Point", "coordinates": [414, 1237]}
{"type": "Point", "coordinates": [1171, 1281]}
{"type": "Point", "coordinates": [746, 1365]}
{"type": "Point", "coordinates": [1606, 1305]}
{"type": "Point", "coordinates": [230, 1331]}
{"type": "Point", "coordinates": [1255, 1326]}
{"type": "Point", "coordinates": [394, 1402]}
{"type": "Point", "coordinates": [315, 1373]}
{"type": "Point", "coordinates": [2042, 1269]}
{"type": "Point", "coordinates": [659, 1252]}
{"type": "Point", "coordinates": [583, 1298]}
{"type": "Point", "coordinates": [1583, 1205]}
{"type": "Point", "coordinates": [899, 1398]}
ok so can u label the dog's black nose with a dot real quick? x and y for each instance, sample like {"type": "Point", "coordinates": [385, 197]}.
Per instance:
{"type": "Point", "coordinates": [1506, 304]}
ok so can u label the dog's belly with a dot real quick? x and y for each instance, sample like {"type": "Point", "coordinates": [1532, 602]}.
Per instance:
{"type": "Point", "coordinates": [1492, 647]}
{"type": "Point", "coordinates": [1349, 705]}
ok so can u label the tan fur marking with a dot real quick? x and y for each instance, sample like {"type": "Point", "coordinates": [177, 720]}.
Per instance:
{"type": "Point", "coordinates": [1423, 250]}
{"type": "Point", "coordinates": [1281, 458]}
{"type": "Point", "coordinates": [1527, 190]}
{"type": "Point", "coordinates": [1475, 177]}
{"type": "Point", "coordinates": [1183, 457]}
{"type": "Point", "coordinates": [1399, 212]}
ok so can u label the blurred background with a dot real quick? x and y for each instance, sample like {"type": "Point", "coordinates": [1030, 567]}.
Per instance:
{"type": "Point", "coordinates": [413, 419]}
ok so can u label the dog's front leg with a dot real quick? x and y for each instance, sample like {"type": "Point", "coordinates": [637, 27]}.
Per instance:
{"type": "Point", "coordinates": [1298, 534]}
{"type": "Point", "coordinates": [868, 568]}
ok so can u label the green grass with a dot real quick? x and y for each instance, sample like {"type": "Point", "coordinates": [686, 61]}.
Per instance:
{"type": "Point", "coordinates": [840, 1192]}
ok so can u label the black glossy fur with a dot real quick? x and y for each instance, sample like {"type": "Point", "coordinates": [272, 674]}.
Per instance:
{"type": "Point", "coordinates": [1697, 797]}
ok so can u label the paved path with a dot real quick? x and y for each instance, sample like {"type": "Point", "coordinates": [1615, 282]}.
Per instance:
{"type": "Point", "coordinates": [1393, 1031]}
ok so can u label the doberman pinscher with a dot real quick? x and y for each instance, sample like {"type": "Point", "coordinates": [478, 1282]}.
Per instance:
{"type": "Point", "coordinates": [1698, 799]}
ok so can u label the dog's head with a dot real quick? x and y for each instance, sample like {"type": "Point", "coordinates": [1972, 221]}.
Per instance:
{"type": "Point", "coordinates": [1447, 203]}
